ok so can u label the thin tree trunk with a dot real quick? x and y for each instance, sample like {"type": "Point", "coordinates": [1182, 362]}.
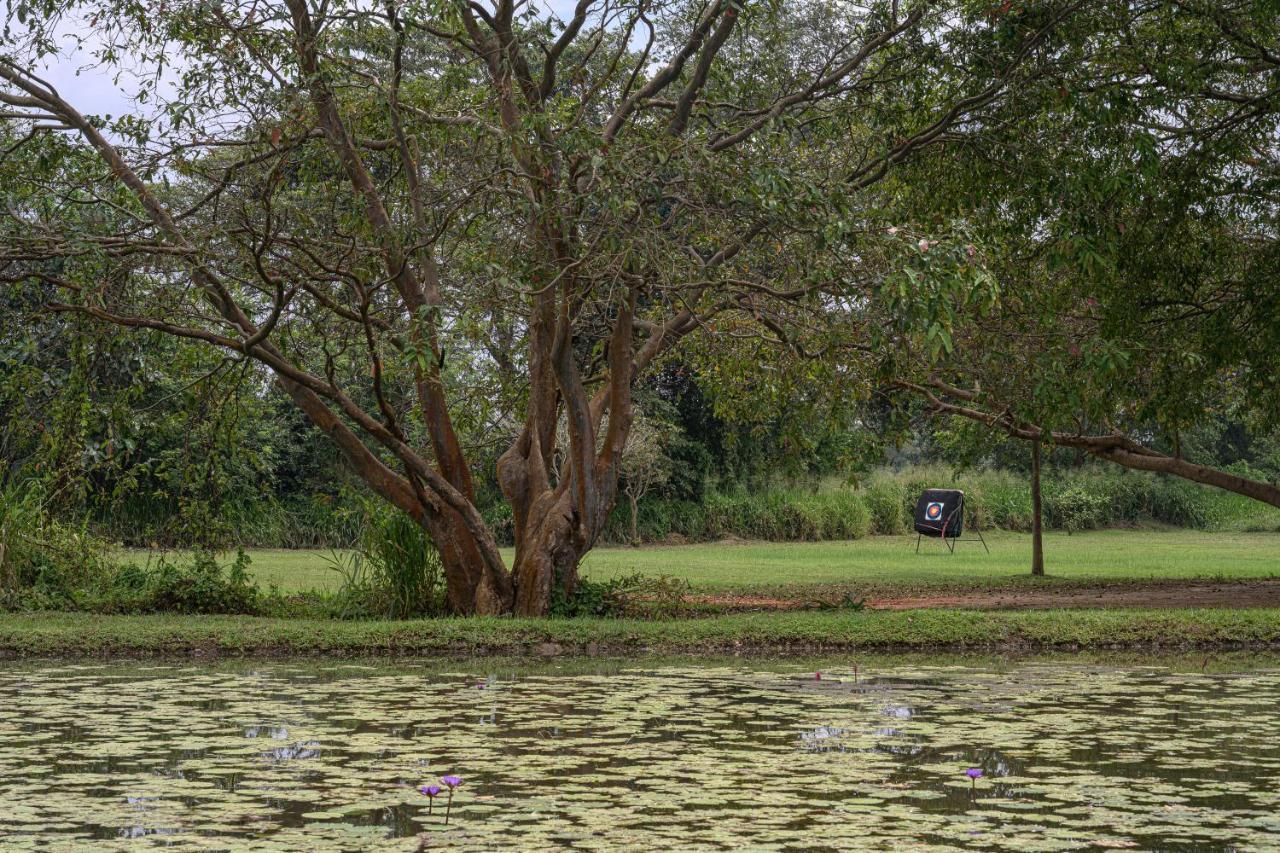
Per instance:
{"type": "Point", "coordinates": [1037, 514]}
{"type": "Point", "coordinates": [635, 521]}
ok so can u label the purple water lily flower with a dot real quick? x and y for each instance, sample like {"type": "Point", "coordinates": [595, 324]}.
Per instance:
{"type": "Point", "coordinates": [452, 782]}
{"type": "Point", "coordinates": [974, 773]}
{"type": "Point", "coordinates": [431, 792]}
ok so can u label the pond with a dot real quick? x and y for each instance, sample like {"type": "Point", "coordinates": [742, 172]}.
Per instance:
{"type": "Point", "coordinates": [642, 754]}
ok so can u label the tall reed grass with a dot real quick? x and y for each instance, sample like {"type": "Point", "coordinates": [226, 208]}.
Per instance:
{"type": "Point", "coordinates": [1085, 498]}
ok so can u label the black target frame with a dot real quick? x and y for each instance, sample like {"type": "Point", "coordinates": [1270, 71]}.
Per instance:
{"type": "Point", "coordinates": [940, 514]}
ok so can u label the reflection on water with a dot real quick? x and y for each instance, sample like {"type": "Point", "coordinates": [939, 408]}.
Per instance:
{"type": "Point", "coordinates": [635, 756]}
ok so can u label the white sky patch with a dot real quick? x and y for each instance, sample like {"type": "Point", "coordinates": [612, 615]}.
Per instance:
{"type": "Point", "coordinates": [97, 89]}
{"type": "Point", "coordinates": [85, 81]}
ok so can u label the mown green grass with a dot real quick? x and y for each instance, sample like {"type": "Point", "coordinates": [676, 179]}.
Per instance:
{"type": "Point", "coordinates": [53, 634]}
{"type": "Point", "coordinates": [890, 562]}
{"type": "Point", "coordinates": [886, 563]}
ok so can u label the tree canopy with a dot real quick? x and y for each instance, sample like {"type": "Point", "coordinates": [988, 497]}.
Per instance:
{"type": "Point", "coordinates": [439, 224]}
{"type": "Point", "coordinates": [1131, 220]}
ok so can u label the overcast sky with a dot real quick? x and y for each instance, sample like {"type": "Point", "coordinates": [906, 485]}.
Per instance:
{"type": "Point", "coordinates": [93, 90]}
{"type": "Point", "coordinates": [88, 87]}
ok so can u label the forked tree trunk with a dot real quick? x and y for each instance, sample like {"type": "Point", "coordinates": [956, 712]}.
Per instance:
{"type": "Point", "coordinates": [471, 588]}
{"type": "Point", "coordinates": [556, 525]}
{"type": "Point", "coordinates": [552, 530]}
{"type": "Point", "coordinates": [547, 560]}
{"type": "Point", "coordinates": [551, 547]}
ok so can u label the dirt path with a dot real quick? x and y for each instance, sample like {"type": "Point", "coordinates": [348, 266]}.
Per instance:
{"type": "Point", "coordinates": [1257, 593]}
{"type": "Point", "coordinates": [1260, 593]}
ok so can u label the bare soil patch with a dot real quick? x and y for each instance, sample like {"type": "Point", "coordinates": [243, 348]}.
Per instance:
{"type": "Point", "coordinates": [1257, 593]}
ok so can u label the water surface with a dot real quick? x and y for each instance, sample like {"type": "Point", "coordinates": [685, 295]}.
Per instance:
{"type": "Point", "coordinates": [641, 755]}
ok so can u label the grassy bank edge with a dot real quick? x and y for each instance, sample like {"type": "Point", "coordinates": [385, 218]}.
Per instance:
{"type": "Point", "coordinates": [88, 635]}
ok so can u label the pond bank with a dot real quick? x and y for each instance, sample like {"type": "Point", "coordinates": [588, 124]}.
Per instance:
{"type": "Point", "coordinates": [79, 634]}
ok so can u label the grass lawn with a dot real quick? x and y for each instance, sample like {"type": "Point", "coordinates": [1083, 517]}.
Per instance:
{"type": "Point", "coordinates": [868, 567]}
{"type": "Point", "coordinates": [890, 562]}
{"type": "Point", "coordinates": [44, 634]}
{"type": "Point", "coordinates": [887, 563]}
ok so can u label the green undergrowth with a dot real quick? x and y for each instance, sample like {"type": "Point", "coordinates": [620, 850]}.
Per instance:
{"type": "Point", "coordinates": [70, 634]}
{"type": "Point", "coordinates": [186, 584]}
{"type": "Point", "coordinates": [1089, 497]}
{"type": "Point", "coordinates": [46, 563]}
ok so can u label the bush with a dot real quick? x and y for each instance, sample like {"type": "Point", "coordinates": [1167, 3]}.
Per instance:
{"type": "Point", "coordinates": [45, 564]}
{"type": "Point", "coordinates": [202, 585]}
{"type": "Point", "coordinates": [406, 565]}
{"type": "Point", "coordinates": [1077, 509]}
{"type": "Point", "coordinates": [999, 499]}
{"type": "Point", "coordinates": [196, 585]}
{"type": "Point", "coordinates": [884, 499]}
{"type": "Point", "coordinates": [1174, 503]}
{"type": "Point", "coordinates": [634, 595]}
{"type": "Point", "coordinates": [42, 559]}
{"type": "Point", "coordinates": [396, 572]}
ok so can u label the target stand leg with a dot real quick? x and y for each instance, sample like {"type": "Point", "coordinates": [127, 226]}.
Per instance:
{"type": "Point", "coordinates": [918, 537]}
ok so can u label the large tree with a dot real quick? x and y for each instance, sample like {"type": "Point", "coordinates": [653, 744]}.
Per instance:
{"type": "Point", "coordinates": [1130, 213]}
{"type": "Point", "coordinates": [434, 222]}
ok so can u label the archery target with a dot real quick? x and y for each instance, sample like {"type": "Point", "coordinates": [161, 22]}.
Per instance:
{"type": "Point", "coordinates": [933, 511]}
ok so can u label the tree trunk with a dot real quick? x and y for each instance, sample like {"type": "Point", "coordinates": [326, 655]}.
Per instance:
{"type": "Point", "coordinates": [635, 519]}
{"type": "Point", "coordinates": [548, 554]}
{"type": "Point", "coordinates": [1037, 514]}
{"type": "Point", "coordinates": [471, 587]}
{"type": "Point", "coordinates": [552, 537]}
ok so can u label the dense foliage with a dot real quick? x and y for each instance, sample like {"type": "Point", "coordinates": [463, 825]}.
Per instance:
{"type": "Point", "coordinates": [1130, 214]}
{"type": "Point", "coordinates": [439, 226]}
{"type": "Point", "coordinates": [514, 268]}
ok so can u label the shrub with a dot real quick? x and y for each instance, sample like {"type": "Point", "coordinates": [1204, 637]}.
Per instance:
{"type": "Point", "coordinates": [395, 573]}
{"type": "Point", "coordinates": [202, 585]}
{"type": "Point", "coordinates": [198, 584]}
{"type": "Point", "coordinates": [1076, 509]}
{"type": "Point", "coordinates": [42, 559]}
{"type": "Point", "coordinates": [1000, 499]}
{"type": "Point", "coordinates": [406, 565]}
{"type": "Point", "coordinates": [885, 500]}
{"type": "Point", "coordinates": [635, 595]}
{"type": "Point", "coordinates": [844, 515]}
